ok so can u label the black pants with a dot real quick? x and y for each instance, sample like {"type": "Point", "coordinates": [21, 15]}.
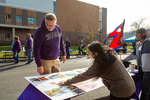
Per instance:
{"type": "Point", "coordinates": [80, 50]}
{"type": "Point", "coordinates": [116, 98]}
{"type": "Point", "coordinates": [67, 52]}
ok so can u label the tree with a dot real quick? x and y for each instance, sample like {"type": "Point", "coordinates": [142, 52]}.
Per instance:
{"type": "Point", "coordinates": [91, 35]}
{"type": "Point", "coordinates": [139, 24]}
{"type": "Point", "coordinates": [77, 27]}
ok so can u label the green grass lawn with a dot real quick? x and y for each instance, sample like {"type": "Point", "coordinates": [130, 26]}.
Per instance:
{"type": "Point", "coordinates": [129, 49]}
{"type": "Point", "coordinates": [8, 47]}
{"type": "Point", "coordinates": [74, 47]}
{"type": "Point", "coordinates": [21, 54]}
{"type": "Point", "coordinates": [3, 48]}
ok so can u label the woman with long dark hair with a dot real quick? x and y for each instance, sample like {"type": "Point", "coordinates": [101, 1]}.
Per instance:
{"type": "Point", "coordinates": [107, 66]}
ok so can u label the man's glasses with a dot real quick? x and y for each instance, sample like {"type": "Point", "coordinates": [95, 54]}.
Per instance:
{"type": "Point", "coordinates": [49, 25]}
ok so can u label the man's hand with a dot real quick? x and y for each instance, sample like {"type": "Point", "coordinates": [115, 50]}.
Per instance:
{"type": "Point", "coordinates": [63, 58]}
{"type": "Point", "coordinates": [40, 70]}
{"type": "Point", "coordinates": [61, 83]}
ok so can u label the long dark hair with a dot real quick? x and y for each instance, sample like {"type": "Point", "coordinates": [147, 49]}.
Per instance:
{"type": "Point", "coordinates": [104, 59]}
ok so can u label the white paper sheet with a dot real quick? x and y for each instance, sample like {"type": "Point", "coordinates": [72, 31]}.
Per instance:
{"type": "Point", "coordinates": [47, 84]}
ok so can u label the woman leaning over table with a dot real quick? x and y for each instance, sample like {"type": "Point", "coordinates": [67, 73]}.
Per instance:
{"type": "Point", "coordinates": [16, 49]}
{"type": "Point", "coordinates": [107, 66]}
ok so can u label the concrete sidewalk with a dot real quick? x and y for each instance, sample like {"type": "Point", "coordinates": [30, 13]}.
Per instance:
{"type": "Point", "coordinates": [13, 82]}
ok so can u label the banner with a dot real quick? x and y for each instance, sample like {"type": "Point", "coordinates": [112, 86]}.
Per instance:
{"type": "Point", "coordinates": [117, 35]}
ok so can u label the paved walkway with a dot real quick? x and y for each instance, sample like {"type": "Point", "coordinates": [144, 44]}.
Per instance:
{"type": "Point", "coordinates": [12, 82]}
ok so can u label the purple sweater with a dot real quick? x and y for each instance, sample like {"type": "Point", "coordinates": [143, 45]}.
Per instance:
{"type": "Point", "coordinates": [47, 44]}
{"type": "Point", "coordinates": [17, 46]}
{"type": "Point", "coordinates": [29, 44]}
{"type": "Point", "coordinates": [68, 44]}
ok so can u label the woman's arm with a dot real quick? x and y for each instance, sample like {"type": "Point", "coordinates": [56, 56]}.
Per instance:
{"type": "Point", "coordinates": [88, 74]}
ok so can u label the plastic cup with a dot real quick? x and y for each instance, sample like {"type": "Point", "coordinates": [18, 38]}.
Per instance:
{"type": "Point", "coordinates": [132, 67]}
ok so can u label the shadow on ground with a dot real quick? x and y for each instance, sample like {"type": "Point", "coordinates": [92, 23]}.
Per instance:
{"type": "Point", "coordinates": [9, 68]}
{"type": "Point", "coordinates": [103, 98]}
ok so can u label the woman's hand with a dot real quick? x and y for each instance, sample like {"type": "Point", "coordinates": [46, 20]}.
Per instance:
{"type": "Point", "coordinates": [61, 83]}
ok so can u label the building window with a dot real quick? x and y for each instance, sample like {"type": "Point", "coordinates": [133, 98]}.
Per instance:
{"type": "Point", "coordinates": [2, 1]}
{"type": "Point", "coordinates": [100, 27]}
{"type": "Point", "coordinates": [8, 17]}
{"type": "Point", "coordinates": [54, 4]}
{"type": "Point", "coordinates": [31, 20]}
{"type": "Point", "coordinates": [7, 37]}
{"type": "Point", "coordinates": [18, 19]}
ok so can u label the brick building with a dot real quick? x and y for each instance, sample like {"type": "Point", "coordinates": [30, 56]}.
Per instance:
{"type": "Point", "coordinates": [21, 17]}
{"type": "Point", "coordinates": [75, 19]}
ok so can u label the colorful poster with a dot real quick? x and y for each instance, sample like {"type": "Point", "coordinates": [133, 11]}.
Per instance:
{"type": "Point", "coordinates": [47, 84]}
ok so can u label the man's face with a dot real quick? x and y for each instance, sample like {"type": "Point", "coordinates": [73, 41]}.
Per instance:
{"type": "Point", "coordinates": [50, 25]}
{"type": "Point", "coordinates": [28, 36]}
{"type": "Point", "coordinates": [139, 36]}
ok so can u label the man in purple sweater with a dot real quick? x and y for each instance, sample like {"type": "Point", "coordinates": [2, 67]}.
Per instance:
{"type": "Point", "coordinates": [16, 49]}
{"type": "Point", "coordinates": [48, 42]}
{"type": "Point", "coordinates": [28, 48]}
{"type": "Point", "coordinates": [68, 44]}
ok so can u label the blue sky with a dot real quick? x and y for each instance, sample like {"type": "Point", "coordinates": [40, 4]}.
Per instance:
{"type": "Point", "coordinates": [117, 10]}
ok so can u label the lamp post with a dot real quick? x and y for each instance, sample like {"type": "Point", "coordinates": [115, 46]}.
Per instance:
{"type": "Point", "coordinates": [81, 38]}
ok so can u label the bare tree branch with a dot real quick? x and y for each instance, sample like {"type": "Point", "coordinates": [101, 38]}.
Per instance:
{"type": "Point", "coordinates": [139, 24]}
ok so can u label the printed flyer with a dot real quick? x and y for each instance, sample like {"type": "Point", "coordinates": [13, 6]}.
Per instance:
{"type": "Point", "coordinates": [47, 84]}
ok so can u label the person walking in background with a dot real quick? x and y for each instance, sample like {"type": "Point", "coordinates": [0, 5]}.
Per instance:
{"type": "Point", "coordinates": [29, 48]}
{"type": "Point", "coordinates": [68, 44]}
{"type": "Point", "coordinates": [12, 49]}
{"type": "Point", "coordinates": [48, 42]}
{"type": "Point", "coordinates": [124, 45]}
{"type": "Point", "coordinates": [81, 49]}
{"type": "Point", "coordinates": [16, 49]}
{"type": "Point", "coordinates": [113, 74]}
{"type": "Point", "coordinates": [142, 54]}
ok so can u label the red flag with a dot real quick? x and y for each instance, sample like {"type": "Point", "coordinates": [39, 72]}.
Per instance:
{"type": "Point", "coordinates": [117, 34]}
